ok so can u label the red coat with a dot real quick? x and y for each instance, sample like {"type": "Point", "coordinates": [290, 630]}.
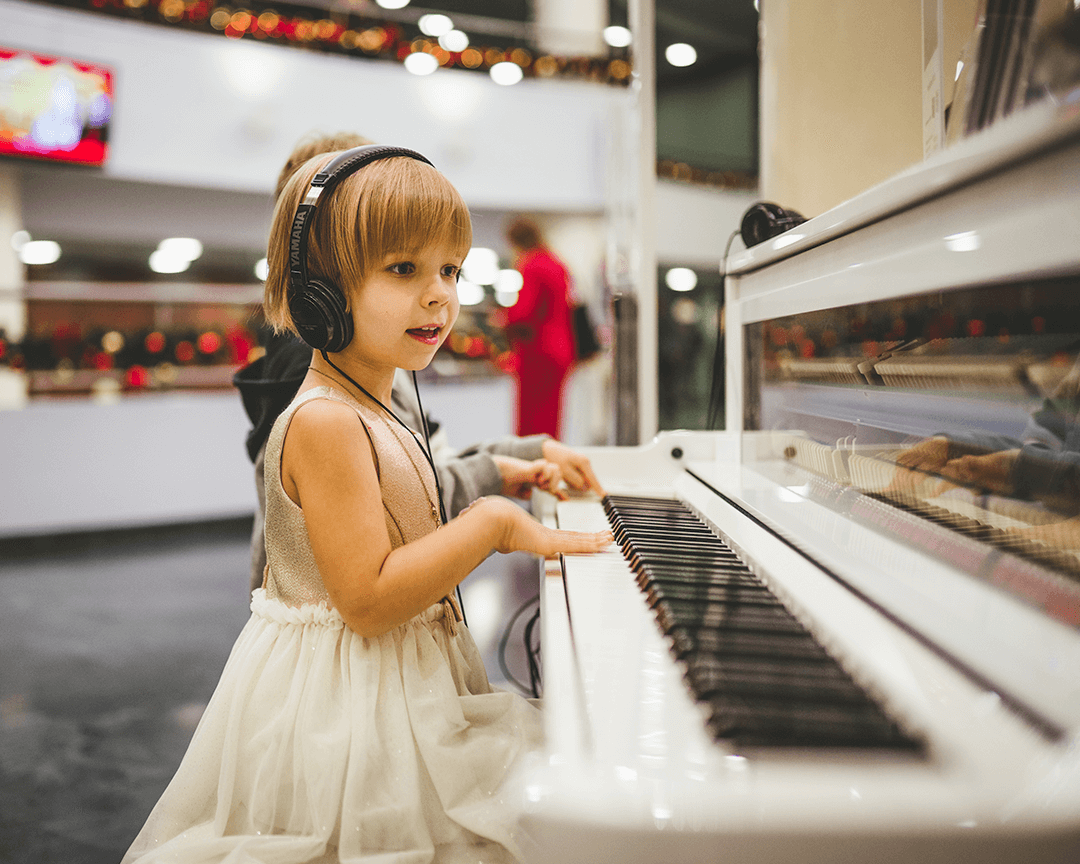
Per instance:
{"type": "Point", "coordinates": [542, 341]}
{"type": "Point", "coordinates": [539, 322]}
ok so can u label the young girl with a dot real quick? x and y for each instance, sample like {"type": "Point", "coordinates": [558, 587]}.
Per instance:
{"type": "Point", "coordinates": [354, 720]}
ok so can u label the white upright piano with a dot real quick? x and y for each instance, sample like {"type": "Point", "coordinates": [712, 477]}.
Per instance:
{"type": "Point", "coordinates": [903, 398]}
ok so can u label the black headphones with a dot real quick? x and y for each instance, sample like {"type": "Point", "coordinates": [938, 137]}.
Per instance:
{"type": "Point", "coordinates": [318, 307]}
{"type": "Point", "coordinates": [764, 221]}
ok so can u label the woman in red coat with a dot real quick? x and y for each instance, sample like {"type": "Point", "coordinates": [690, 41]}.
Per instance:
{"type": "Point", "coordinates": [539, 328]}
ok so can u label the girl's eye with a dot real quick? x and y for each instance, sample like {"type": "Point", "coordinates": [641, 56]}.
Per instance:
{"type": "Point", "coordinates": [452, 271]}
{"type": "Point", "coordinates": [402, 268]}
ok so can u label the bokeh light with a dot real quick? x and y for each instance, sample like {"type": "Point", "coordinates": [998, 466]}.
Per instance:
{"type": "Point", "coordinates": [506, 73]}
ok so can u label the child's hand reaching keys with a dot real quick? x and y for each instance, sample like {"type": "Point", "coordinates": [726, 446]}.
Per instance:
{"type": "Point", "coordinates": [520, 532]}
{"type": "Point", "coordinates": [519, 476]}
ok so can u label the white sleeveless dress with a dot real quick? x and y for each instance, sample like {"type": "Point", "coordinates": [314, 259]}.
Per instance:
{"type": "Point", "coordinates": [320, 745]}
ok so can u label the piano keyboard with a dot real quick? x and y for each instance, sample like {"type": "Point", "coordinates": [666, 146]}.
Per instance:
{"type": "Point", "coordinates": [759, 674]}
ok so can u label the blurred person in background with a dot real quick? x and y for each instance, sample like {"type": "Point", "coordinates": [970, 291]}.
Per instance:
{"type": "Point", "coordinates": [509, 465]}
{"type": "Point", "coordinates": [540, 331]}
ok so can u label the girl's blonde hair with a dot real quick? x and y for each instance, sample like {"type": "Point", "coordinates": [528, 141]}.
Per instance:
{"type": "Point", "coordinates": [392, 206]}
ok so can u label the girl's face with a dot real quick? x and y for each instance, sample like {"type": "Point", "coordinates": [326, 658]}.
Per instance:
{"type": "Point", "coordinates": [404, 309]}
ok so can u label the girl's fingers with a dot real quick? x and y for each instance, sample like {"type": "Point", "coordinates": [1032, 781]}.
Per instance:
{"type": "Point", "coordinates": [581, 542]}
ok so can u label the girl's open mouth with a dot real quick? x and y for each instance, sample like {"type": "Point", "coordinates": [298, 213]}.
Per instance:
{"type": "Point", "coordinates": [427, 335]}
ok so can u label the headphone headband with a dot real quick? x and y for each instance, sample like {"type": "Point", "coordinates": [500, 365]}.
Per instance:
{"type": "Point", "coordinates": [341, 166]}
{"type": "Point", "coordinates": [318, 308]}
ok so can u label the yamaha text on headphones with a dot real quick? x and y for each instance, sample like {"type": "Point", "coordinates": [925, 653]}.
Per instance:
{"type": "Point", "coordinates": [318, 307]}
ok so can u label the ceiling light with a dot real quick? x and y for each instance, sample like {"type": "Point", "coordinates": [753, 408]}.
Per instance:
{"type": "Point", "coordinates": [680, 54]}
{"type": "Point", "coordinates": [506, 73]}
{"type": "Point", "coordinates": [617, 37]}
{"type": "Point", "coordinates": [508, 281]}
{"type": "Point", "coordinates": [434, 24]}
{"type": "Point", "coordinates": [481, 266]}
{"type": "Point", "coordinates": [39, 252]}
{"type": "Point", "coordinates": [420, 63]}
{"type": "Point", "coordinates": [393, 4]}
{"type": "Point", "coordinates": [681, 279]}
{"type": "Point", "coordinates": [184, 248]}
{"type": "Point", "coordinates": [162, 261]}
{"type": "Point", "coordinates": [469, 293]}
{"type": "Point", "coordinates": [20, 239]}
{"type": "Point", "coordinates": [455, 41]}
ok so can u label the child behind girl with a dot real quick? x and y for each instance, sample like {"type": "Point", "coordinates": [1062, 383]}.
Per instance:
{"type": "Point", "coordinates": [354, 720]}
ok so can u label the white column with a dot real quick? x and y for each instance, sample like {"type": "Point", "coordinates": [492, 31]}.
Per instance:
{"type": "Point", "coordinates": [12, 277]}
{"type": "Point", "coordinates": [643, 262]}
{"type": "Point", "coordinates": [570, 27]}
{"type": "Point", "coordinates": [12, 271]}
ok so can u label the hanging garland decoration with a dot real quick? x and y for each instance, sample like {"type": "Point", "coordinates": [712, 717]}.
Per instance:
{"type": "Point", "coordinates": [350, 35]}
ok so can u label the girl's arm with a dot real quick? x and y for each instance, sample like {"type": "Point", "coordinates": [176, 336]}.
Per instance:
{"type": "Point", "coordinates": [328, 469]}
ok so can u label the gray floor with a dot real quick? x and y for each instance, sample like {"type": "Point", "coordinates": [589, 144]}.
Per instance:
{"type": "Point", "coordinates": [110, 646]}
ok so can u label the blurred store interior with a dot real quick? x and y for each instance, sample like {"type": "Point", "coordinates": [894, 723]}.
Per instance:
{"type": "Point", "coordinates": [636, 133]}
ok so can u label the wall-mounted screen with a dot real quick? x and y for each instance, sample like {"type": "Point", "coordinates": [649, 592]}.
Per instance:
{"type": "Point", "coordinates": [54, 108]}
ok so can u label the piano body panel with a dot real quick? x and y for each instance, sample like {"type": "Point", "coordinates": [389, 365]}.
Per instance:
{"type": "Point", "coordinates": [652, 783]}
{"type": "Point", "coordinates": [1038, 129]}
{"type": "Point", "coordinates": [987, 680]}
{"type": "Point", "coordinates": [943, 243]}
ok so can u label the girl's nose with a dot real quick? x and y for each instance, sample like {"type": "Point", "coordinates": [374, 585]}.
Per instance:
{"type": "Point", "coordinates": [438, 293]}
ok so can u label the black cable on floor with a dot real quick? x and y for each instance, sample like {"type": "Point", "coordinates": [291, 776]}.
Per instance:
{"type": "Point", "coordinates": [533, 653]}
{"type": "Point", "coordinates": [531, 690]}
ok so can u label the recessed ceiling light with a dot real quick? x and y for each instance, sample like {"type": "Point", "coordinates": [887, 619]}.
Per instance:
{"type": "Point", "coordinates": [680, 54]}
{"type": "Point", "coordinates": [420, 63]}
{"type": "Point", "coordinates": [681, 279]}
{"type": "Point", "coordinates": [506, 73]}
{"type": "Point", "coordinates": [39, 252]}
{"type": "Point", "coordinates": [455, 41]}
{"type": "Point", "coordinates": [617, 37]}
{"type": "Point", "coordinates": [435, 24]}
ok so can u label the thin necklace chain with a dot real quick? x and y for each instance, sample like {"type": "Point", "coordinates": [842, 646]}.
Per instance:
{"type": "Point", "coordinates": [416, 468]}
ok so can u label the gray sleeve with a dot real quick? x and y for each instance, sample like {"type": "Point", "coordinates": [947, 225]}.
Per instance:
{"type": "Point", "coordinates": [530, 447]}
{"type": "Point", "coordinates": [258, 536]}
{"type": "Point", "coordinates": [464, 479]}
{"type": "Point", "coordinates": [1052, 476]}
{"type": "Point", "coordinates": [472, 473]}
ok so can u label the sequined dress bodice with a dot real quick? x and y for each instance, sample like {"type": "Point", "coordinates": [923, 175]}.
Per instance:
{"type": "Point", "coordinates": [405, 481]}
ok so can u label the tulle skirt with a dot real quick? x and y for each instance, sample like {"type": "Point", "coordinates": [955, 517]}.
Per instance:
{"type": "Point", "coordinates": [322, 746]}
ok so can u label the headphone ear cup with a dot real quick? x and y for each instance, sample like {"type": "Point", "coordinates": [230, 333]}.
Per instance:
{"type": "Point", "coordinates": [764, 221]}
{"type": "Point", "coordinates": [322, 317]}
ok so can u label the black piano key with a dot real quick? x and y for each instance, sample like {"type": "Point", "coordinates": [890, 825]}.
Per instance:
{"type": "Point", "coordinates": [636, 557]}
{"type": "Point", "coordinates": [824, 682]}
{"type": "Point", "coordinates": [725, 616]}
{"type": "Point", "coordinates": [699, 565]}
{"type": "Point", "coordinates": [791, 646]}
{"type": "Point", "coordinates": [757, 722]}
{"type": "Point", "coordinates": [752, 595]}
{"type": "Point", "coordinates": [761, 675]}
{"type": "Point", "coordinates": [744, 579]}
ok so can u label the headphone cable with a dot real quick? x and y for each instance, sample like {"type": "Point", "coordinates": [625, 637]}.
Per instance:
{"type": "Point", "coordinates": [426, 450]}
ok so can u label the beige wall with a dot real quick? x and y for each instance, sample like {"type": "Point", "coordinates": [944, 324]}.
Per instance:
{"type": "Point", "coordinates": [841, 94]}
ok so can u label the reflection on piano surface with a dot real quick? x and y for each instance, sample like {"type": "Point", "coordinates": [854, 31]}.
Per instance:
{"type": "Point", "coordinates": [848, 627]}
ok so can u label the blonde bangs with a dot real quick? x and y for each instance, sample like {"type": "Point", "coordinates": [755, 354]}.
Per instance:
{"type": "Point", "coordinates": [403, 206]}
{"type": "Point", "coordinates": [390, 207]}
